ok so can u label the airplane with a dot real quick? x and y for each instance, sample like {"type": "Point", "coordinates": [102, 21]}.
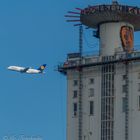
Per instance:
{"type": "Point", "coordinates": [28, 70]}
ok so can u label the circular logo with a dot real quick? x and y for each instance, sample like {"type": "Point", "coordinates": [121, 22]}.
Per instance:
{"type": "Point", "coordinates": [42, 67]}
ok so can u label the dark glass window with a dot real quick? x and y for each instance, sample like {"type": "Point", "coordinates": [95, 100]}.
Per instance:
{"type": "Point", "coordinates": [124, 104]}
{"type": "Point", "coordinates": [124, 88]}
{"type": "Point", "coordinates": [91, 80]}
{"type": "Point", "coordinates": [91, 92]}
{"type": "Point", "coordinates": [138, 102]}
{"type": "Point", "coordinates": [138, 86]}
{"type": "Point", "coordinates": [91, 107]}
{"type": "Point", "coordinates": [75, 82]}
{"type": "Point", "coordinates": [138, 75]}
{"type": "Point", "coordinates": [75, 109]}
{"type": "Point", "coordinates": [124, 77]}
{"type": "Point", "coordinates": [75, 94]}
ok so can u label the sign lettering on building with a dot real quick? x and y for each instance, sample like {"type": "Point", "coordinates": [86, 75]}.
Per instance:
{"type": "Point", "coordinates": [117, 8]}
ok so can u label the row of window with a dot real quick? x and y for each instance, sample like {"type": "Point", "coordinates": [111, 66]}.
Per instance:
{"type": "Point", "coordinates": [91, 93]}
{"type": "Point", "coordinates": [124, 76]}
{"type": "Point", "coordinates": [91, 108]}
{"type": "Point", "coordinates": [124, 104]}
{"type": "Point", "coordinates": [124, 88]}
{"type": "Point", "coordinates": [91, 81]}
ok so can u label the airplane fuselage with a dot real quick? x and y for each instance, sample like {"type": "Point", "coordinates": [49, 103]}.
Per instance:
{"type": "Point", "coordinates": [24, 70]}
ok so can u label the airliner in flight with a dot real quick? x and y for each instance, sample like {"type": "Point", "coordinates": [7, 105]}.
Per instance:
{"type": "Point", "coordinates": [27, 69]}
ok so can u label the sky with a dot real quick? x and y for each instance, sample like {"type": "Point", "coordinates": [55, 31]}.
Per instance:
{"type": "Point", "coordinates": [34, 32]}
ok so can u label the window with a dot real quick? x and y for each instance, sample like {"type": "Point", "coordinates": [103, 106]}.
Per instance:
{"type": "Point", "coordinates": [75, 82]}
{"type": "Point", "coordinates": [124, 104]}
{"type": "Point", "coordinates": [75, 109]}
{"type": "Point", "coordinates": [91, 103]}
{"type": "Point", "coordinates": [124, 88]}
{"type": "Point", "coordinates": [75, 93]}
{"type": "Point", "coordinates": [138, 86]}
{"type": "Point", "coordinates": [139, 103]}
{"type": "Point", "coordinates": [138, 75]}
{"type": "Point", "coordinates": [91, 92]}
{"type": "Point", "coordinates": [91, 81]}
{"type": "Point", "coordinates": [124, 77]}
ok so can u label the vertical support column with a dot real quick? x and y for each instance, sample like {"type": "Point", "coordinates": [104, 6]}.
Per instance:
{"type": "Point", "coordinates": [127, 101]}
{"type": "Point", "coordinates": [80, 120]}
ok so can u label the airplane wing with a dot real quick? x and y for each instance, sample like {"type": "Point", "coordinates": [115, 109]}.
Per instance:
{"type": "Point", "coordinates": [25, 69]}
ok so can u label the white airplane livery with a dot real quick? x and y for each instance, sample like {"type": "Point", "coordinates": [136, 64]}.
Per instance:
{"type": "Point", "coordinates": [27, 69]}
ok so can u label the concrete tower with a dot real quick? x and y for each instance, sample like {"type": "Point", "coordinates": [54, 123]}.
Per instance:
{"type": "Point", "coordinates": [103, 99]}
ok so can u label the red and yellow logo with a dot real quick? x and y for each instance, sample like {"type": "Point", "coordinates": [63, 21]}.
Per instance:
{"type": "Point", "coordinates": [127, 38]}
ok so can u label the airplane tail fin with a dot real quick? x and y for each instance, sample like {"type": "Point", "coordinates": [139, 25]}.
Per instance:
{"type": "Point", "coordinates": [42, 67]}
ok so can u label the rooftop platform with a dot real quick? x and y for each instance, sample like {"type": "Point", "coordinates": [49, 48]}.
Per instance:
{"type": "Point", "coordinates": [73, 60]}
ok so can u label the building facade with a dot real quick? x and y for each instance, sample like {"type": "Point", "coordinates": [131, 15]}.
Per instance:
{"type": "Point", "coordinates": [104, 102]}
{"type": "Point", "coordinates": [103, 96]}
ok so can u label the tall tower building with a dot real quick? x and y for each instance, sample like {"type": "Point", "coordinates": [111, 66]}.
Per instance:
{"type": "Point", "coordinates": [103, 99]}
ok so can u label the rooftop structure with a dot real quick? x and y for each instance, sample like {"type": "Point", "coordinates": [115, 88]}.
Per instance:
{"type": "Point", "coordinates": [93, 16]}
